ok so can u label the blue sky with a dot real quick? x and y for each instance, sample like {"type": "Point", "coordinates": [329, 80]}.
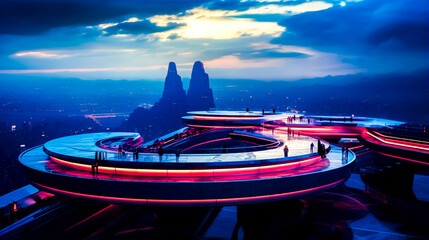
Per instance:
{"type": "Point", "coordinates": [247, 39]}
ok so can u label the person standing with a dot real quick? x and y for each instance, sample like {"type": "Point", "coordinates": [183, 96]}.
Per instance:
{"type": "Point", "coordinates": [322, 151]}
{"type": "Point", "coordinates": [311, 147]}
{"type": "Point", "coordinates": [177, 154]}
{"type": "Point", "coordinates": [286, 151]}
{"type": "Point", "coordinates": [347, 152]}
{"type": "Point", "coordinates": [224, 149]}
{"type": "Point", "coordinates": [96, 168]}
{"type": "Point", "coordinates": [119, 151]}
{"type": "Point", "coordinates": [93, 170]}
{"type": "Point", "coordinates": [160, 153]}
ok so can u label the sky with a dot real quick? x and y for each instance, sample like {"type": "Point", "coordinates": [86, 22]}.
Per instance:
{"type": "Point", "coordinates": [235, 39]}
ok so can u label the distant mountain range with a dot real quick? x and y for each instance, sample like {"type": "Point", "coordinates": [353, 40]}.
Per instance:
{"type": "Point", "coordinates": [400, 96]}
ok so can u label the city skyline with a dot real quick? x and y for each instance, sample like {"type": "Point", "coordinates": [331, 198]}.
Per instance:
{"type": "Point", "coordinates": [262, 40]}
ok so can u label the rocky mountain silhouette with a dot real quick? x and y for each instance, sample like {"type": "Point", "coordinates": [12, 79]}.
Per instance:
{"type": "Point", "coordinates": [200, 95]}
{"type": "Point", "coordinates": [165, 115]}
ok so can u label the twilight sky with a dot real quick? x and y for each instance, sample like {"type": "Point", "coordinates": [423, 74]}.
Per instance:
{"type": "Point", "coordinates": [247, 39]}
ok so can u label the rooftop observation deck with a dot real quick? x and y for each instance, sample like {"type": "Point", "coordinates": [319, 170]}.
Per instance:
{"type": "Point", "coordinates": [204, 178]}
{"type": "Point", "coordinates": [82, 148]}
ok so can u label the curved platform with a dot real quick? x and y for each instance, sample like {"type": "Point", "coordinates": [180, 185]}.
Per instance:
{"type": "Point", "coordinates": [236, 119]}
{"type": "Point", "coordinates": [65, 166]}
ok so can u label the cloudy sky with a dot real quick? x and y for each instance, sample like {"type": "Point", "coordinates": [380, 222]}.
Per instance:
{"type": "Point", "coordinates": [237, 39]}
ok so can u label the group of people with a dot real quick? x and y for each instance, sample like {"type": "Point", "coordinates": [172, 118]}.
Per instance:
{"type": "Point", "coordinates": [286, 149]}
{"type": "Point", "coordinates": [321, 150]}
{"type": "Point", "coordinates": [161, 152]}
{"type": "Point", "coordinates": [99, 156]}
{"type": "Point", "coordinates": [157, 146]}
{"type": "Point", "coordinates": [161, 142]}
{"type": "Point", "coordinates": [291, 119]}
{"type": "Point", "coordinates": [344, 119]}
{"type": "Point", "coordinates": [291, 132]}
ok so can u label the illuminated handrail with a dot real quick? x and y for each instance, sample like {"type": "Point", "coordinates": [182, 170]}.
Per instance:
{"type": "Point", "coordinates": [187, 173]}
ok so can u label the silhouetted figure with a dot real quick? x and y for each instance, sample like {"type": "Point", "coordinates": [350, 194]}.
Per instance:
{"type": "Point", "coordinates": [286, 151]}
{"type": "Point", "coordinates": [177, 154]}
{"type": "Point", "coordinates": [160, 153]}
{"type": "Point", "coordinates": [119, 151]}
{"type": "Point", "coordinates": [322, 151]}
{"type": "Point", "coordinates": [247, 109]}
{"type": "Point", "coordinates": [263, 111]}
{"type": "Point", "coordinates": [96, 168]}
{"type": "Point", "coordinates": [319, 147]}
{"type": "Point", "coordinates": [347, 152]}
{"type": "Point", "coordinates": [93, 170]}
{"type": "Point", "coordinates": [224, 149]}
{"type": "Point", "coordinates": [308, 121]}
{"type": "Point", "coordinates": [311, 147]}
{"type": "Point", "coordinates": [274, 110]}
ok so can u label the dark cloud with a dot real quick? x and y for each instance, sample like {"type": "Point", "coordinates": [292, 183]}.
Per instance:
{"type": "Point", "coordinates": [30, 17]}
{"type": "Point", "coordinates": [246, 54]}
{"type": "Point", "coordinates": [376, 25]}
{"type": "Point", "coordinates": [402, 36]}
{"type": "Point", "coordinates": [142, 27]}
{"type": "Point", "coordinates": [173, 36]}
{"type": "Point", "coordinates": [26, 17]}
{"type": "Point", "coordinates": [231, 5]}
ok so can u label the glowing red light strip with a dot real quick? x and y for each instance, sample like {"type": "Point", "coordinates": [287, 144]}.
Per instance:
{"type": "Point", "coordinates": [280, 195]}
{"type": "Point", "coordinates": [402, 158]}
{"type": "Point", "coordinates": [207, 126]}
{"type": "Point", "coordinates": [405, 142]}
{"type": "Point", "coordinates": [223, 201]}
{"type": "Point", "coordinates": [310, 129]}
{"type": "Point", "coordinates": [332, 134]}
{"type": "Point", "coordinates": [254, 137]}
{"type": "Point", "coordinates": [104, 210]}
{"type": "Point", "coordinates": [356, 147]}
{"type": "Point", "coordinates": [405, 139]}
{"type": "Point", "coordinates": [214, 140]}
{"type": "Point", "coordinates": [320, 131]}
{"type": "Point", "coordinates": [186, 173]}
{"type": "Point", "coordinates": [225, 118]}
{"type": "Point", "coordinates": [402, 144]}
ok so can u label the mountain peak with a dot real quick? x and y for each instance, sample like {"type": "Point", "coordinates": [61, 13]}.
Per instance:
{"type": "Point", "coordinates": [200, 95]}
{"type": "Point", "coordinates": [172, 68]}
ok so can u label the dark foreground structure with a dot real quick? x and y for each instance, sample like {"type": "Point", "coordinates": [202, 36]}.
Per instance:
{"type": "Point", "coordinates": [264, 165]}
